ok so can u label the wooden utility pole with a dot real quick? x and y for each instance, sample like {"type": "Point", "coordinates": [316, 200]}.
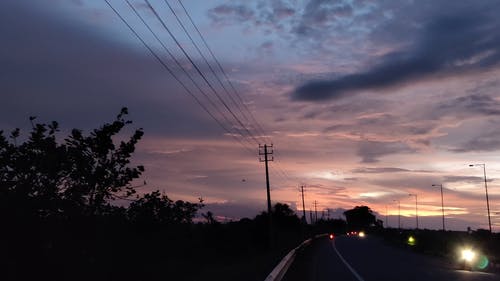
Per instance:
{"type": "Point", "coordinates": [263, 151]}
{"type": "Point", "coordinates": [303, 203]}
{"type": "Point", "coordinates": [315, 211]}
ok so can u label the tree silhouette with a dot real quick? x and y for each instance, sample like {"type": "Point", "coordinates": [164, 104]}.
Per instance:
{"type": "Point", "coordinates": [43, 177]}
{"type": "Point", "coordinates": [209, 217]}
{"type": "Point", "coordinates": [97, 168]}
{"type": "Point", "coordinates": [282, 217]}
{"type": "Point", "coordinates": [359, 217]}
{"type": "Point", "coordinates": [154, 208]}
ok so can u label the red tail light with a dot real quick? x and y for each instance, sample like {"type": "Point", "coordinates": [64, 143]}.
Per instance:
{"type": "Point", "coordinates": [331, 236]}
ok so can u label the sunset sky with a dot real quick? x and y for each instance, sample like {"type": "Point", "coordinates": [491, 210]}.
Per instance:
{"type": "Point", "coordinates": [364, 101]}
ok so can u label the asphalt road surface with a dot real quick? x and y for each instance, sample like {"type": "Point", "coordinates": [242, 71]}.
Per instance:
{"type": "Point", "coordinates": [370, 259]}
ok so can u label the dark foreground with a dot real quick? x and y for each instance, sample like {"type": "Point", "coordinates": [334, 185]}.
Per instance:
{"type": "Point", "coordinates": [370, 259]}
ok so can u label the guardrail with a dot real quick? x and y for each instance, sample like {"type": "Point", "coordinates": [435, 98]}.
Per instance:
{"type": "Point", "coordinates": [280, 270]}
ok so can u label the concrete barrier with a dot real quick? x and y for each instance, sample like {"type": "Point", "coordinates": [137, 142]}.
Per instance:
{"type": "Point", "coordinates": [280, 270]}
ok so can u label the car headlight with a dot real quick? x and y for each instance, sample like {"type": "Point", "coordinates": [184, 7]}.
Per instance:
{"type": "Point", "coordinates": [468, 255]}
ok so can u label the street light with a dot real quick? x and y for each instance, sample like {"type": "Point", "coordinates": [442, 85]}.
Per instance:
{"type": "Point", "coordinates": [486, 188]}
{"type": "Point", "coordinates": [399, 213]}
{"type": "Point", "coordinates": [416, 207]}
{"type": "Point", "coordinates": [442, 202]}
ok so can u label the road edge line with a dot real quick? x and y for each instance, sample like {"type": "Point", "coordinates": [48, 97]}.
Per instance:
{"type": "Point", "coordinates": [346, 263]}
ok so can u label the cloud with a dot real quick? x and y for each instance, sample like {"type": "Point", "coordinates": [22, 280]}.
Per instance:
{"type": "Point", "coordinates": [467, 179]}
{"type": "Point", "coordinates": [230, 13]}
{"type": "Point", "coordinates": [66, 71]}
{"type": "Point", "coordinates": [472, 103]}
{"type": "Point", "coordinates": [380, 170]}
{"type": "Point", "coordinates": [320, 14]}
{"type": "Point", "coordinates": [233, 210]}
{"type": "Point", "coordinates": [488, 140]}
{"type": "Point", "coordinates": [453, 42]}
{"type": "Point", "coordinates": [371, 151]}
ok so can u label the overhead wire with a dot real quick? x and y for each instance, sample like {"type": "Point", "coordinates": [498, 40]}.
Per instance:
{"type": "Point", "coordinates": [280, 171]}
{"type": "Point", "coordinates": [277, 171]}
{"type": "Point", "coordinates": [155, 55]}
{"type": "Point", "coordinates": [259, 127]}
{"type": "Point", "coordinates": [185, 71]}
{"type": "Point", "coordinates": [228, 94]}
{"type": "Point", "coordinates": [198, 69]}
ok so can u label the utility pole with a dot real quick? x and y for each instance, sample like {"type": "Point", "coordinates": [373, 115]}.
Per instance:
{"type": "Point", "coordinates": [442, 201]}
{"type": "Point", "coordinates": [311, 216]}
{"type": "Point", "coordinates": [303, 203]}
{"type": "Point", "coordinates": [315, 211]}
{"type": "Point", "coordinates": [386, 221]}
{"type": "Point", "coordinates": [263, 151]}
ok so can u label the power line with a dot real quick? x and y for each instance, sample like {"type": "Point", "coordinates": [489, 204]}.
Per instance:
{"type": "Point", "coordinates": [259, 127]}
{"type": "Point", "coordinates": [173, 74]}
{"type": "Point", "coordinates": [228, 94]}
{"type": "Point", "coordinates": [184, 70]}
{"type": "Point", "coordinates": [198, 69]}
{"type": "Point", "coordinates": [280, 171]}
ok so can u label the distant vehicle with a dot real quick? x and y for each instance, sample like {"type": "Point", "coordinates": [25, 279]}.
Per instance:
{"type": "Point", "coordinates": [331, 236]}
{"type": "Point", "coordinates": [356, 233]}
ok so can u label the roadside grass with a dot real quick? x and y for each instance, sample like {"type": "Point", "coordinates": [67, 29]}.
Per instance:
{"type": "Point", "coordinates": [448, 244]}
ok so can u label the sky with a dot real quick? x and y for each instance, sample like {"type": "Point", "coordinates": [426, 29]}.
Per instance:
{"type": "Point", "coordinates": [365, 102]}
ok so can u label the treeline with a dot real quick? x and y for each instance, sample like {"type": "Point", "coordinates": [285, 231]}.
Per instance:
{"type": "Point", "coordinates": [60, 219]}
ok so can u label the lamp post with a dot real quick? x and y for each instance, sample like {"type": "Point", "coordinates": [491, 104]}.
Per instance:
{"type": "Point", "coordinates": [416, 207]}
{"type": "Point", "coordinates": [442, 202]}
{"type": "Point", "coordinates": [486, 189]}
{"type": "Point", "coordinates": [399, 213]}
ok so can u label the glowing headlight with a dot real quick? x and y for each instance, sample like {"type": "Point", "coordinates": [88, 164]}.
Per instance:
{"type": "Point", "coordinates": [411, 241]}
{"type": "Point", "coordinates": [361, 234]}
{"type": "Point", "coordinates": [468, 255]}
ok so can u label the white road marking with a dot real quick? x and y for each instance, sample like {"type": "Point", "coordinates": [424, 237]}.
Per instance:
{"type": "Point", "coordinates": [346, 263]}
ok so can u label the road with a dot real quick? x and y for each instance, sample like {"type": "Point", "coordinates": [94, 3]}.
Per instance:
{"type": "Point", "coordinates": [370, 259]}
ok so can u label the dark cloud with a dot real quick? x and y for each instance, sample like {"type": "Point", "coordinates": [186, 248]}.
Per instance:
{"type": "Point", "coordinates": [351, 179]}
{"type": "Point", "coordinates": [380, 170]}
{"type": "Point", "coordinates": [230, 13]}
{"type": "Point", "coordinates": [345, 109]}
{"type": "Point", "coordinates": [474, 103]}
{"type": "Point", "coordinates": [63, 70]}
{"type": "Point", "coordinates": [489, 142]}
{"type": "Point", "coordinates": [281, 11]}
{"type": "Point", "coordinates": [319, 14]}
{"type": "Point", "coordinates": [411, 181]}
{"type": "Point", "coordinates": [371, 151]}
{"type": "Point", "coordinates": [454, 41]}
{"type": "Point", "coordinates": [319, 189]}
{"type": "Point", "coordinates": [267, 47]}
{"type": "Point", "coordinates": [269, 15]}
{"type": "Point", "coordinates": [467, 179]}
